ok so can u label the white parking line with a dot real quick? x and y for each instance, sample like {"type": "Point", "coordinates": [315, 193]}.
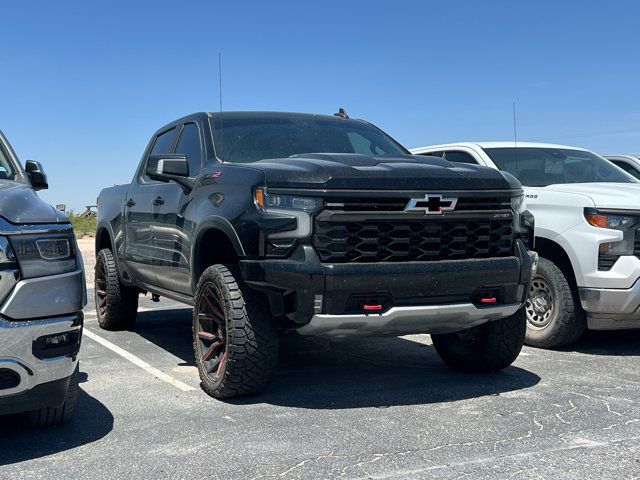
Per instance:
{"type": "Point", "coordinates": [138, 362]}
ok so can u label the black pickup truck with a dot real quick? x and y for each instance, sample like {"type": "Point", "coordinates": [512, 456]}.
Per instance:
{"type": "Point", "coordinates": [321, 225]}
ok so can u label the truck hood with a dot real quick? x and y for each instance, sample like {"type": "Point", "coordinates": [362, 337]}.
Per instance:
{"type": "Point", "coordinates": [19, 204]}
{"type": "Point", "coordinates": [605, 195]}
{"type": "Point", "coordinates": [402, 172]}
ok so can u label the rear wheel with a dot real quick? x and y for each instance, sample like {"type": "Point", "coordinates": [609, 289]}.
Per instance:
{"type": "Point", "coordinates": [554, 315]}
{"type": "Point", "coordinates": [235, 341]}
{"type": "Point", "coordinates": [116, 304]}
{"type": "Point", "coordinates": [488, 347]}
{"type": "Point", "coordinates": [57, 415]}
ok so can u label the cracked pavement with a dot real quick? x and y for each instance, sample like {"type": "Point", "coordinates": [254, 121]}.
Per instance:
{"type": "Point", "coordinates": [360, 409]}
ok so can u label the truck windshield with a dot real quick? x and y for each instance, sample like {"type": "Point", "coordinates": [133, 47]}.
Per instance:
{"type": "Point", "coordinates": [251, 137]}
{"type": "Point", "coordinates": [539, 167]}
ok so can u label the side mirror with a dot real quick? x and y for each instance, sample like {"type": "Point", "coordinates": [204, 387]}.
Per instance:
{"type": "Point", "coordinates": [170, 168]}
{"type": "Point", "coordinates": [36, 175]}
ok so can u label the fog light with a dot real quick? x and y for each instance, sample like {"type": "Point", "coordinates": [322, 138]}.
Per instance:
{"type": "Point", "coordinates": [57, 345]}
{"type": "Point", "coordinates": [57, 339]}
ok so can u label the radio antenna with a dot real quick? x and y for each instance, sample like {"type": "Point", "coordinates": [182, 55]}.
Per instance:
{"type": "Point", "coordinates": [515, 130]}
{"type": "Point", "coordinates": [220, 97]}
{"type": "Point", "coordinates": [515, 135]}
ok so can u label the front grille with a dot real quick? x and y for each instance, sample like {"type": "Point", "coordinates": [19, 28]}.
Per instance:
{"type": "Point", "coordinates": [412, 240]}
{"type": "Point", "coordinates": [398, 204]}
{"type": "Point", "coordinates": [8, 379]}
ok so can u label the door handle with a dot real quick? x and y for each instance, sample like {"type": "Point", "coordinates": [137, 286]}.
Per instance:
{"type": "Point", "coordinates": [130, 203]}
{"type": "Point", "coordinates": [158, 201]}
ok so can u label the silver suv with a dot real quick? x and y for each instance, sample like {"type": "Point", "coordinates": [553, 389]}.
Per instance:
{"type": "Point", "coordinates": [42, 292]}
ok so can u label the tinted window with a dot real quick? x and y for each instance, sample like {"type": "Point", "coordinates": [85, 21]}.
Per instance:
{"type": "Point", "coordinates": [433, 154]}
{"type": "Point", "coordinates": [456, 156]}
{"type": "Point", "coordinates": [252, 137]}
{"type": "Point", "coordinates": [539, 167]}
{"type": "Point", "coordinates": [164, 142]}
{"type": "Point", "coordinates": [627, 167]}
{"type": "Point", "coordinates": [7, 172]}
{"type": "Point", "coordinates": [189, 145]}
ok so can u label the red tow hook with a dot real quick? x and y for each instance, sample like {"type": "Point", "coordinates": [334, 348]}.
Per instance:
{"type": "Point", "coordinates": [488, 300]}
{"type": "Point", "coordinates": [372, 308]}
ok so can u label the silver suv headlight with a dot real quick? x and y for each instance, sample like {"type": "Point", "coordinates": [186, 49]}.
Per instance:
{"type": "Point", "coordinates": [39, 255]}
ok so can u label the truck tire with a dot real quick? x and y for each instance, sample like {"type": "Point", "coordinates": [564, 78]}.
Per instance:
{"type": "Point", "coordinates": [116, 304]}
{"type": "Point", "coordinates": [486, 348]}
{"type": "Point", "coordinates": [554, 315]}
{"type": "Point", "coordinates": [60, 415]}
{"type": "Point", "coordinates": [234, 339]}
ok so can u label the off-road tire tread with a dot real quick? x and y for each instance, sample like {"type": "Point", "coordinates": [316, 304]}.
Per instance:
{"type": "Point", "coordinates": [122, 300]}
{"type": "Point", "coordinates": [570, 320]}
{"type": "Point", "coordinates": [252, 337]}
{"type": "Point", "coordinates": [498, 344]}
{"type": "Point", "coordinates": [50, 416]}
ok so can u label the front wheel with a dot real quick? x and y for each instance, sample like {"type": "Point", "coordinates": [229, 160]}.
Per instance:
{"type": "Point", "coordinates": [60, 415]}
{"type": "Point", "coordinates": [116, 304]}
{"type": "Point", "coordinates": [235, 341]}
{"type": "Point", "coordinates": [488, 347]}
{"type": "Point", "coordinates": [554, 315]}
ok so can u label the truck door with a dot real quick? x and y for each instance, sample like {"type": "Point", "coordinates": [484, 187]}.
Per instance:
{"type": "Point", "coordinates": [140, 252]}
{"type": "Point", "coordinates": [173, 228]}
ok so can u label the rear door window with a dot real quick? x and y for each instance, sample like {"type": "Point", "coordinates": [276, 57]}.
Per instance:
{"type": "Point", "coordinates": [627, 167]}
{"type": "Point", "coordinates": [458, 156]}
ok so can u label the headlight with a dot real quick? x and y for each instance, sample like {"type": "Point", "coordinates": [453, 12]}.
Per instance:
{"type": "Point", "coordinates": [7, 257]}
{"type": "Point", "coordinates": [517, 203]}
{"type": "Point", "coordinates": [608, 253]}
{"type": "Point", "coordinates": [40, 255]}
{"type": "Point", "coordinates": [291, 206]}
{"type": "Point", "coordinates": [266, 201]}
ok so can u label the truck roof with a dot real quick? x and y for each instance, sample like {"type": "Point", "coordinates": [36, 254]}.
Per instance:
{"type": "Point", "coordinates": [507, 144]}
{"type": "Point", "coordinates": [272, 114]}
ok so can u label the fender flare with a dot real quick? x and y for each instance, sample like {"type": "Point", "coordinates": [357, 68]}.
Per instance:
{"type": "Point", "coordinates": [214, 222]}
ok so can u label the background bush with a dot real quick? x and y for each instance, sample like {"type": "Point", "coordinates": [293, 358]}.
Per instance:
{"type": "Point", "coordinates": [82, 226]}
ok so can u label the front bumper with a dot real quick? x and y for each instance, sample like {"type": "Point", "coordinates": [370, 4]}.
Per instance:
{"type": "Point", "coordinates": [407, 320]}
{"type": "Point", "coordinates": [428, 297]}
{"type": "Point", "coordinates": [48, 296]}
{"type": "Point", "coordinates": [38, 366]}
{"type": "Point", "coordinates": [41, 328]}
{"type": "Point", "coordinates": [611, 308]}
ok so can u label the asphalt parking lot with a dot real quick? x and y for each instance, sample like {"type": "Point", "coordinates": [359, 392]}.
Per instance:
{"type": "Point", "coordinates": [372, 408]}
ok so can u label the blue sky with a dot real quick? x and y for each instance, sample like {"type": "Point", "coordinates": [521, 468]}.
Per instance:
{"type": "Point", "coordinates": [85, 84]}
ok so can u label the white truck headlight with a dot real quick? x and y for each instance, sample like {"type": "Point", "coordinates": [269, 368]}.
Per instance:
{"type": "Point", "coordinates": [608, 253]}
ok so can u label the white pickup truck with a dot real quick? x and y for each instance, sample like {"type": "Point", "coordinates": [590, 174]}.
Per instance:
{"type": "Point", "coordinates": [587, 214]}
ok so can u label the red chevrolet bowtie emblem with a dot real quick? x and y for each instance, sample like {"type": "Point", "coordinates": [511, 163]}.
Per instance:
{"type": "Point", "coordinates": [431, 204]}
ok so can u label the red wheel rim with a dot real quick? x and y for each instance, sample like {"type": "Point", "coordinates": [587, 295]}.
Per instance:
{"type": "Point", "coordinates": [211, 332]}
